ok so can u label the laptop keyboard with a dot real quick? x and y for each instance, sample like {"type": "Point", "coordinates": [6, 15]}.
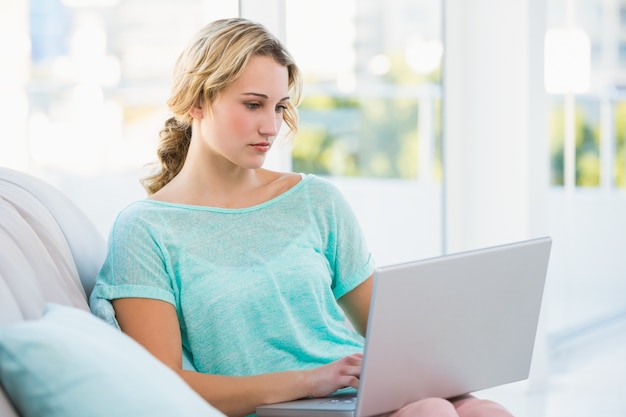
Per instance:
{"type": "Point", "coordinates": [348, 400]}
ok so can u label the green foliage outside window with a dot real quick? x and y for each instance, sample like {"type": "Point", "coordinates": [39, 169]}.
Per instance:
{"type": "Point", "coordinates": [620, 144]}
{"type": "Point", "coordinates": [587, 144]}
{"type": "Point", "coordinates": [369, 134]}
{"type": "Point", "coordinates": [557, 141]}
{"type": "Point", "coordinates": [364, 137]}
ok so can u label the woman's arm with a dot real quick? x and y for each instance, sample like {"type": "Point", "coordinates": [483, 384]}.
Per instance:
{"type": "Point", "coordinates": [154, 324]}
{"type": "Point", "coordinates": [356, 304]}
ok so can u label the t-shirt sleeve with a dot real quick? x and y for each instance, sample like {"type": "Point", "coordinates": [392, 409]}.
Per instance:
{"type": "Point", "coordinates": [135, 265]}
{"type": "Point", "coordinates": [349, 256]}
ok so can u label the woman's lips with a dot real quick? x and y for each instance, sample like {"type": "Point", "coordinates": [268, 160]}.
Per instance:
{"type": "Point", "coordinates": [262, 146]}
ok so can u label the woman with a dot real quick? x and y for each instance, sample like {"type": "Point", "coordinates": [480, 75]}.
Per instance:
{"type": "Point", "coordinates": [251, 272]}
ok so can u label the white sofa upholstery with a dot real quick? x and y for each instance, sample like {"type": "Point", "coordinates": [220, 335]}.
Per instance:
{"type": "Point", "coordinates": [49, 252]}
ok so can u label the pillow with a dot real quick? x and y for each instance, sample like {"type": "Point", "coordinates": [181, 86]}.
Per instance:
{"type": "Point", "coordinates": [70, 363]}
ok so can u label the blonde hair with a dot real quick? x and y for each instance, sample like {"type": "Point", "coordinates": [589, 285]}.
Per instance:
{"type": "Point", "coordinates": [214, 59]}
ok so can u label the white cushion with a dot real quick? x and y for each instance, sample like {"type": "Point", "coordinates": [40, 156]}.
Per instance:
{"type": "Point", "coordinates": [87, 245]}
{"type": "Point", "coordinates": [35, 261]}
{"type": "Point", "coordinates": [70, 363]}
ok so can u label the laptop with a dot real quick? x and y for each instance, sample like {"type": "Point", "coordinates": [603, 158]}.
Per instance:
{"type": "Point", "coordinates": [442, 327]}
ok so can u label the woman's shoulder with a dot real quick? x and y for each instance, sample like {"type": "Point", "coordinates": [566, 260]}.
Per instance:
{"type": "Point", "coordinates": [138, 207]}
{"type": "Point", "coordinates": [320, 185]}
{"type": "Point", "coordinates": [280, 182]}
{"type": "Point", "coordinates": [287, 183]}
{"type": "Point", "coordinates": [137, 212]}
{"type": "Point", "coordinates": [323, 194]}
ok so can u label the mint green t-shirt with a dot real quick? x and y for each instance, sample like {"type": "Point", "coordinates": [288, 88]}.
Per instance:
{"type": "Point", "coordinates": [255, 289]}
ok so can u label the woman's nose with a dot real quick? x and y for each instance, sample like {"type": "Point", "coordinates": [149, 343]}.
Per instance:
{"type": "Point", "coordinates": [271, 123]}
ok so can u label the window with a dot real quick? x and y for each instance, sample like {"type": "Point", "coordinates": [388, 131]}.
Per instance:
{"type": "Point", "coordinates": [595, 123]}
{"type": "Point", "coordinates": [587, 134]}
{"type": "Point", "coordinates": [99, 78]}
{"type": "Point", "coordinates": [372, 89]}
{"type": "Point", "coordinates": [620, 143]}
{"type": "Point", "coordinates": [371, 116]}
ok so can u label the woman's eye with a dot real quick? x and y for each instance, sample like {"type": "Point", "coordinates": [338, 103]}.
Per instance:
{"type": "Point", "coordinates": [252, 106]}
{"type": "Point", "coordinates": [281, 108]}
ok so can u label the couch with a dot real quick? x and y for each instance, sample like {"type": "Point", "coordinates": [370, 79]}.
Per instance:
{"type": "Point", "coordinates": [56, 357]}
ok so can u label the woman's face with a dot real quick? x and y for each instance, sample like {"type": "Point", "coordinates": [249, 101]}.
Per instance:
{"type": "Point", "coordinates": [242, 123]}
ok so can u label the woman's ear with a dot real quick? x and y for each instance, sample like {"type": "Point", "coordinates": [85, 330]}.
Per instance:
{"type": "Point", "coordinates": [197, 112]}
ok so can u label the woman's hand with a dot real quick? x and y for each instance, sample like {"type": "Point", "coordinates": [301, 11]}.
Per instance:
{"type": "Point", "coordinates": [342, 373]}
